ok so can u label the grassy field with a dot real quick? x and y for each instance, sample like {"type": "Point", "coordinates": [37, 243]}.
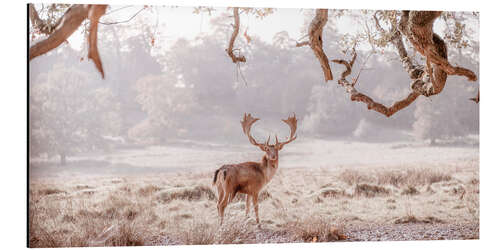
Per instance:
{"type": "Point", "coordinates": [298, 205]}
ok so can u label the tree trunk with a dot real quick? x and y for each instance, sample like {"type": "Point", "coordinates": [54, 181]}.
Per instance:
{"type": "Point", "coordinates": [433, 142]}
{"type": "Point", "coordinates": [63, 159]}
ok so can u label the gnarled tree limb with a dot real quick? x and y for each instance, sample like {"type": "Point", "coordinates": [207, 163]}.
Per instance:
{"type": "Point", "coordinates": [415, 72]}
{"type": "Point", "coordinates": [43, 26]}
{"type": "Point", "coordinates": [427, 83]}
{"type": "Point", "coordinates": [95, 13]}
{"type": "Point", "coordinates": [417, 27]}
{"type": "Point", "coordinates": [370, 103]}
{"type": "Point", "coordinates": [316, 41]}
{"type": "Point", "coordinates": [236, 27]}
{"type": "Point", "coordinates": [67, 25]}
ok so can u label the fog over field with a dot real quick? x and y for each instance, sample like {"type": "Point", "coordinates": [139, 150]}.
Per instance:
{"type": "Point", "coordinates": [306, 153]}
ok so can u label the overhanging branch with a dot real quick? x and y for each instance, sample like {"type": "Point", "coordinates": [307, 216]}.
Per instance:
{"type": "Point", "coordinates": [67, 25]}
{"type": "Point", "coordinates": [236, 26]}
{"type": "Point", "coordinates": [370, 103]}
{"type": "Point", "coordinates": [417, 27]}
{"type": "Point", "coordinates": [316, 41]}
{"type": "Point", "coordinates": [95, 13]}
{"type": "Point", "coordinates": [42, 26]}
{"type": "Point", "coordinates": [424, 82]}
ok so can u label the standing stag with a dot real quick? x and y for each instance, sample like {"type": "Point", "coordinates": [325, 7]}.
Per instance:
{"type": "Point", "coordinates": [250, 177]}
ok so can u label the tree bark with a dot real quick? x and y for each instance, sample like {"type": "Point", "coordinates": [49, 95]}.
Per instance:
{"type": "Point", "coordinates": [37, 23]}
{"type": "Point", "coordinates": [370, 103]}
{"type": "Point", "coordinates": [417, 26]}
{"type": "Point", "coordinates": [316, 41]}
{"type": "Point", "coordinates": [236, 26]}
{"type": "Point", "coordinates": [66, 26]}
{"type": "Point", "coordinates": [63, 159]}
{"type": "Point", "coordinates": [95, 13]}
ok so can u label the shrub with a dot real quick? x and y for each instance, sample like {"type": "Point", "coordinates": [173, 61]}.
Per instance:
{"type": "Point", "coordinates": [189, 194]}
{"type": "Point", "coordinates": [315, 230]}
{"type": "Point", "coordinates": [370, 190]}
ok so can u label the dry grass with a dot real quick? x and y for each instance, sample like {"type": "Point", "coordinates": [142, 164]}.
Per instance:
{"type": "Point", "coordinates": [412, 177]}
{"type": "Point", "coordinates": [315, 229]}
{"type": "Point", "coordinates": [198, 233]}
{"type": "Point", "coordinates": [370, 190]}
{"type": "Point", "coordinates": [299, 205]}
{"type": "Point", "coordinates": [49, 191]}
{"type": "Point", "coordinates": [190, 194]}
{"type": "Point", "coordinates": [352, 177]}
{"type": "Point", "coordinates": [412, 219]}
{"type": "Point", "coordinates": [410, 190]}
{"type": "Point", "coordinates": [148, 190]}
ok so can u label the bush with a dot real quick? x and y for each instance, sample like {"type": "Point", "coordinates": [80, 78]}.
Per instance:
{"type": "Point", "coordinates": [370, 190]}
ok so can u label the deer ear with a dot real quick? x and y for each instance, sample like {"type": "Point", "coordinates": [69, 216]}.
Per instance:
{"type": "Point", "coordinates": [262, 147]}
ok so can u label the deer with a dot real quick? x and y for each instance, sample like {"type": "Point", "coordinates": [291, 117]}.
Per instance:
{"type": "Point", "coordinates": [250, 177]}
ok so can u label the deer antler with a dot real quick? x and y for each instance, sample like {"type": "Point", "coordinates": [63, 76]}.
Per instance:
{"type": "Point", "coordinates": [246, 124]}
{"type": "Point", "coordinates": [292, 123]}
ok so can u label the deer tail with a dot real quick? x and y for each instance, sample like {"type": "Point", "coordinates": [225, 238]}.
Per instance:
{"type": "Point", "coordinates": [215, 176]}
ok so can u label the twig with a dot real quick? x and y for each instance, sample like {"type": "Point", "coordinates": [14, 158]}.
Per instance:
{"type": "Point", "coordinates": [370, 103]}
{"type": "Point", "coordinates": [362, 67]}
{"type": "Point", "coordinates": [124, 7]}
{"type": "Point", "coordinates": [128, 20]}
{"type": "Point", "coordinates": [241, 73]}
{"type": "Point", "coordinates": [302, 44]}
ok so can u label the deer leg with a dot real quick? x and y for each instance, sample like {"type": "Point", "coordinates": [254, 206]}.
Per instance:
{"type": "Point", "coordinates": [256, 206]}
{"type": "Point", "coordinates": [222, 206]}
{"type": "Point", "coordinates": [248, 205]}
{"type": "Point", "coordinates": [220, 197]}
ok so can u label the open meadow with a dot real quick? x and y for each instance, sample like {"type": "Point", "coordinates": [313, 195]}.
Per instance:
{"type": "Point", "coordinates": [323, 191]}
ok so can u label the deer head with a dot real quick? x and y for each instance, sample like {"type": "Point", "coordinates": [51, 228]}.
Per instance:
{"type": "Point", "coordinates": [270, 150]}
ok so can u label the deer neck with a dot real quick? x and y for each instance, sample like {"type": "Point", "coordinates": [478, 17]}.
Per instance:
{"type": "Point", "coordinates": [269, 168]}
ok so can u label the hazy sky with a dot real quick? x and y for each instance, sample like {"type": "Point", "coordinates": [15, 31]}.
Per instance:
{"type": "Point", "coordinates": [175, 23]}
{"type": "Point", "coordinates": [180, 22]}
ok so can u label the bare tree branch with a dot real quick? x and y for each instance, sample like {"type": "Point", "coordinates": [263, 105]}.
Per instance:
{"type": "Point", "coordinates": [95, 13]}
{"type": "Point", "coordinates": [305, 43]}
{"type": "Point", "coordinates": [414, 72]}
{"type": "Point", "coordinates": [475, 99]}
{"type": "Point", "coordinates": [67, 25]}
{"type": "Point", "coordinates": [39, 24]}
{"type": "Point", "coordinates": [124, 21]}
{"type": "Point", "coordinates": [316, 41]}
{"type": "Point", "coordinates": [370, 103]}
{"type": "Point", "coordinates": [427, 83]}
{"type": "Point", "coordinates": [417, 26]}
{"type": "Point", "coordinates": [236, 27]}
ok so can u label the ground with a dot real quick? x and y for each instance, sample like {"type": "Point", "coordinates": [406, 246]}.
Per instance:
{"type": "Point", "coordinates": [323, 191]}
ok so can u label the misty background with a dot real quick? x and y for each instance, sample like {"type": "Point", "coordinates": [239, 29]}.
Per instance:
{"type": "Point", "coordinates": [189, 92]}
